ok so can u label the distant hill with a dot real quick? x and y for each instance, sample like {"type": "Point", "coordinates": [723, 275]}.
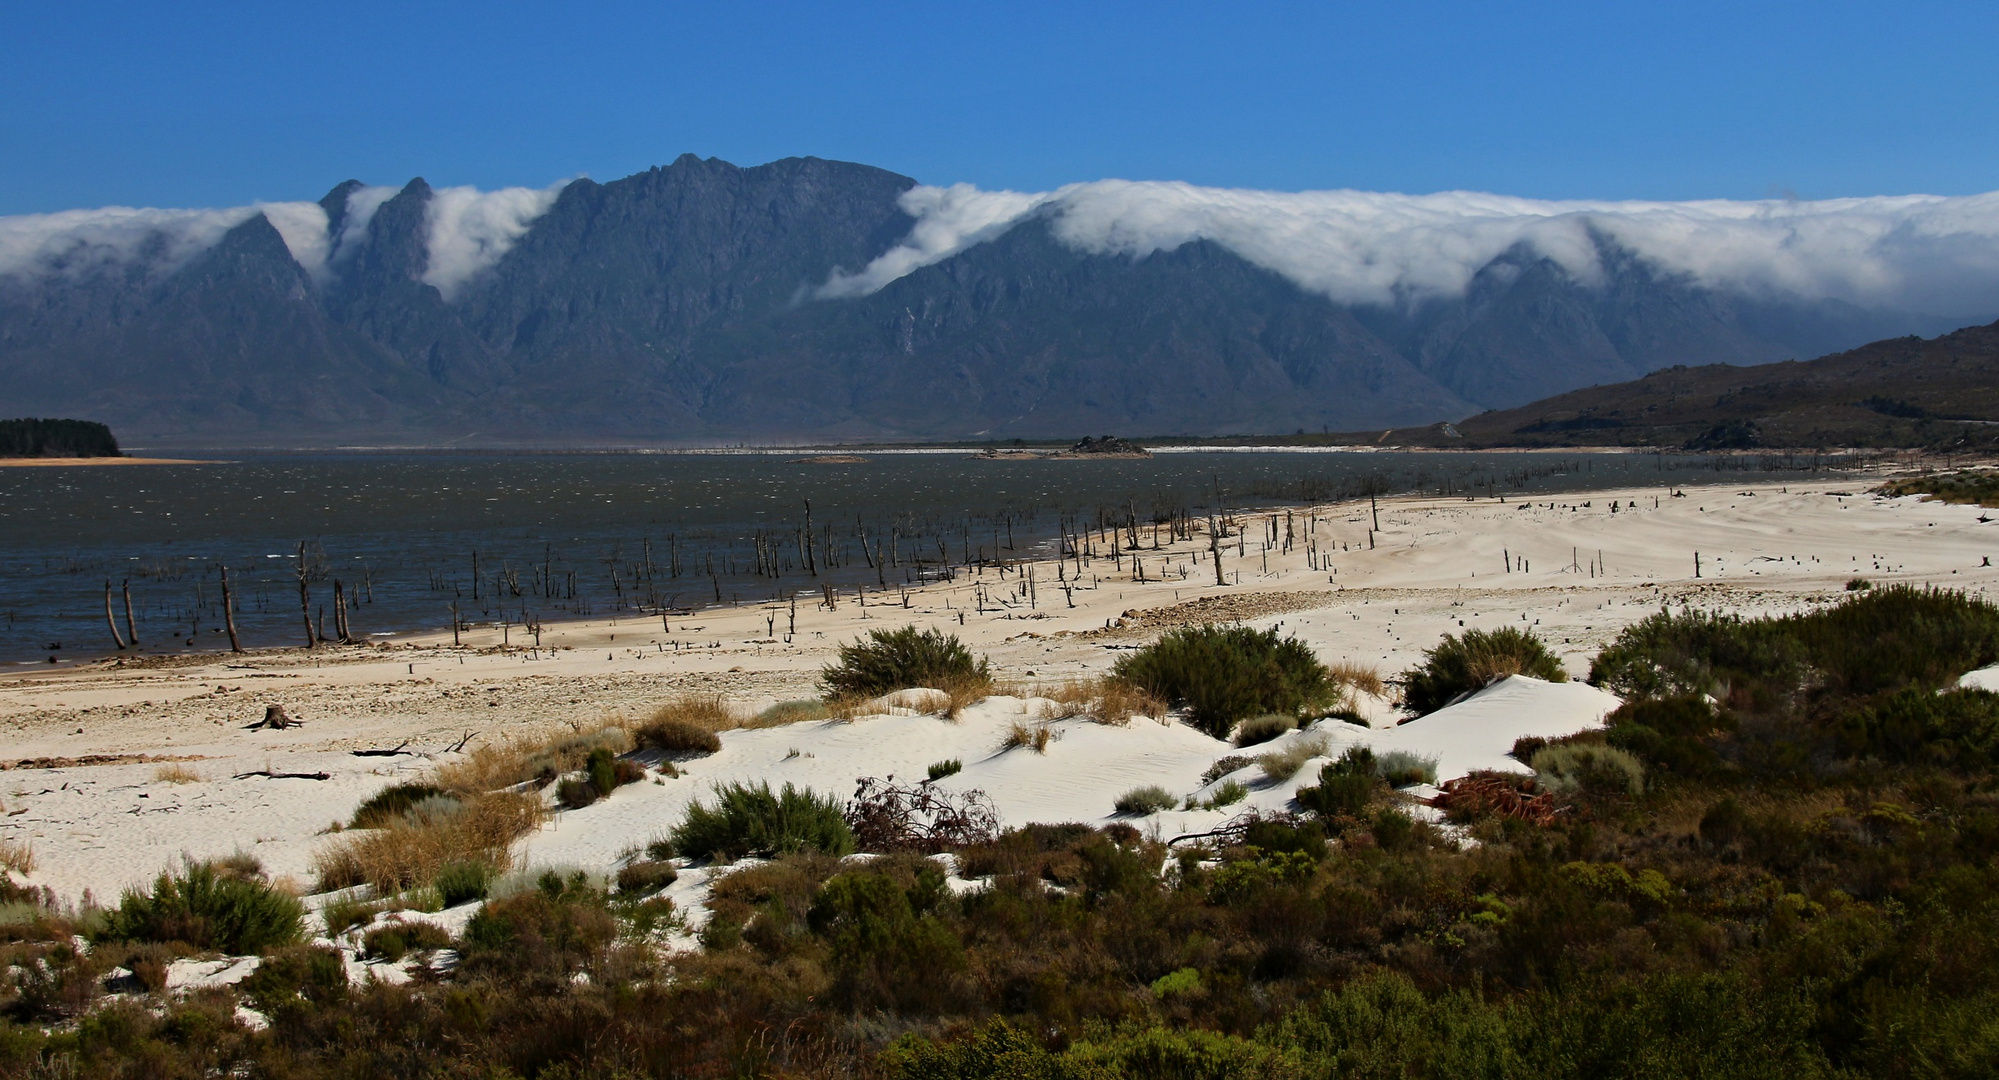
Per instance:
{"type": "Point", "coordinates": [56, 438]}
{"type": "Point", "coordinates": [1902, 392]}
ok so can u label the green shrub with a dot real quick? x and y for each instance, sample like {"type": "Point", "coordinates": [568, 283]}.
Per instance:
{"type": "Point", "coordinates": [640, 878]}
{"type": "Point", "coordinates": [1393, 829]}
{"type": "Point", "coordinates": [1262, 729]}
{"type": "Point", "coordinates": [891, 660]}
{"type": "Point", "coordinates": [676, 737]}
{"type": "Point", "coordinates": [576, 794]}
{"type": "Point", "coordinates": [940, 769]}
{"type": "Point", "coordinates": [1224, 674]}
{"type": "Point", "coordinates": [1859, 584]}
{"type": "Point", "coordinates": [748, 820]}
{"type": "Point", "coordinates": [886, 947]}
{"type": "Point", "coordinates": [208, 911]}
{"type": "Point", "coordinates": [1230, 793]}
{"type": "Point", "coordinates": [1669, 733]}
{"type": "Point", "coordinates": [391, 804]}
{"type": "Point", "coordinates": [1873, 641]}
{"type": "Point", "coordinates": [397, 939]}
{"type": "Point", "coordinates": [1177, 983]}
{"type": "Point", "coordinates": [1282, 765]}
{"type": "Point", "coordinates": [603, 773]}
{"type": "Point", "coordinates": [1345, 787]}
{"type": "Point", "coordinates": [297, 976]}
{"type": "Point", "coordinates": [1588, 768]}
{"type": "Point", "coordinates": [1473, 661]}
{"type": "Point", "coordinates": [346, 913]}
{"type": "Point", "coordinates": [552, 932]}
{"type": "Point", "coordinates": [1140, 801]}
{"type": "Point", "coordinates": [463, 882]}
{"type": "Point", "coordinates": [1959, 728]}
{"type": "Point", "coordinates": [1224, 766]}
{"type": "Point", "coordinates": [1402, 768]}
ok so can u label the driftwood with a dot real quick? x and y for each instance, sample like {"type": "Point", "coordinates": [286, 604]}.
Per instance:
{"type": "Point", "coordinates": [275, 719]}
{"type": "Point", "coordinates": [459, 745]}
{"type": "Point", "coordinates": [390, 752]}
{"type": "Point", "coordinates": [285, 775]}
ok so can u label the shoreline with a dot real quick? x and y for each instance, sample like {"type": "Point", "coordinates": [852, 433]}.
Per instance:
{"type": "Point", "coordinates": [19, 462]}
{"type": "Point", "coordinates": [1439, 565]}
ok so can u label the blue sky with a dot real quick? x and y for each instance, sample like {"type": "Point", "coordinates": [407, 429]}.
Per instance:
{"type": "Point", "coordinates": [209, 104]}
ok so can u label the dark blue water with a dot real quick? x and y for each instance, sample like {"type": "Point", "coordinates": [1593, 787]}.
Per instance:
{"type": "Point", "coordinates": [567, 535]}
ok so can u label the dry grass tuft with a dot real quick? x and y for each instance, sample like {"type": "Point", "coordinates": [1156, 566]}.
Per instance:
{"type": "Point", "coordinates": [1357, 676]}
{"type": "Point", "coordinates": [540, 757]}
{"type": "Point", "coordinates": [1035, 737]}
{"type": "Point", "coordinates": [410, 853]}
{"type": "Point", "coordinates": [1108, 701]}
{"type": "Point", "coordinates": [1282, 765]}
{"type": "Point", "coordinates": [18, 856]}
{"type": "Point", "coordinates": [177, 773]}
{"type": "Point", "coordinates": [708, 712]}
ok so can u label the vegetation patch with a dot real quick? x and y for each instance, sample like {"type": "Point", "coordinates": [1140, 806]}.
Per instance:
{"type": "Point", "coordinates": [743, 819]}
{"type": "Point", "coordinates": [207, 908]}
{"type": "Point", "coordinates": [1470, 662]}
{"type": "Point", "coordinates": [1225, 674]}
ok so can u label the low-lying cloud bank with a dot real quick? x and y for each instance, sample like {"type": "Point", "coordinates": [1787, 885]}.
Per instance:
{"type": "Point", "coordinates": [467, 232]}
{"type": "Point", "coordinates": [1919, 252]}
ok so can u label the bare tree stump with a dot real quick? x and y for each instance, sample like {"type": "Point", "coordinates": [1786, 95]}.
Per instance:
{"type": "Point", "coordinates": [275, 719]}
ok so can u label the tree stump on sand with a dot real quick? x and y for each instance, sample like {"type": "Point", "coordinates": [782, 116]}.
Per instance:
{"type": "Point", "coordinates": [275, 719]}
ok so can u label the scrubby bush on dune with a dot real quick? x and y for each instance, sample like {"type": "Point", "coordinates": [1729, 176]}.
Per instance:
{"type": "Point", "coordinates": [1400, 768]}
{"type": "Point", "coordinates": [1463, 664]}
{"type": "Point", "coordinates": [410, 853]}
{"type": "Point", "coordinates": [1281, 765]}
{"type": "Point", "coordinates": [1262, 729]}
{"type": "Point", "coordinates": [207, 909]}
{"type": "Point", "coordinates": [742, 819]}
{"type": "Point", "coordinates": [1140, 801]}
{"type": "Point", "coordinates": [686, 726]}
{"type": "Point", "coordinates": [1346, 787]}
{"type": "Point", "coordinates": [1874, 641]}
{"type": "Point", "coordinates": [891, 660]}
{"type": "Point", "coordinates": [1226, 674]}
{"type": "Point", "coordinates": [1589, 768]}
{"type": "Point", "coordinates": [463, 882]}
{"type": "Point", "coordinates": [391, 804]}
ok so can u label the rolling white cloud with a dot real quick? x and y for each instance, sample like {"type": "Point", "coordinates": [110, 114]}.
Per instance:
{"type": "Point", "coordinates": [467, 231]}
{"type": "Point", "coordinates": [1921, 252]}
{"type": "Point", "coordinates": [471, 229]}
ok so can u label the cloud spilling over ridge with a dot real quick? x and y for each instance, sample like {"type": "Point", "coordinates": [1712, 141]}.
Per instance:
{"type": "Point", "coordinates": [471, 229]}
{"type": "Point", "coordinates": [1920, 252]}
{"type": "Point", "coordinates": [467, 231]}
{"type": "Point", "coordinates": [79, 242]}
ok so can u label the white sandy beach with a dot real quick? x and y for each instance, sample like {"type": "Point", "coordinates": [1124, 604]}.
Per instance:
{"type": "Point", "coordinates": [1436, 565]}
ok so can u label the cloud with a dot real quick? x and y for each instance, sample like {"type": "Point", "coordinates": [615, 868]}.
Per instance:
{"type": "Point", "coordinates": [948, 220]}
{"type": "Point", "coordinates": [471, 229]}
{"type": "Point", "coordinates": [1921, 252]}
{"type": "Point", "coordinates": [76, 243]}
{"type": "Point", "coordinates": [468, 231]}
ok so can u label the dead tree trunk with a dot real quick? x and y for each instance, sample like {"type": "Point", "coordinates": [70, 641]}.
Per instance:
{"type": "Point", "coordinates": [110, 620]}
{"type": "Point", "coordinates": [229, 612]}
{"type": "Point", "coordinates": [304, 597]}
{"type": "Point", "coordinates": [131, 624]}
{"type": "Point", "coordinates": [340, 614]}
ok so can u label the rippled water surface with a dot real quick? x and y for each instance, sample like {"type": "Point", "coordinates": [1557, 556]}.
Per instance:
{"type": "Point", "coordinates": [563, 535]}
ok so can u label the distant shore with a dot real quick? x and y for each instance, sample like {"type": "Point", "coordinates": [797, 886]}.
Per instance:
{"type": "Point", "coordinates": [5, 461]}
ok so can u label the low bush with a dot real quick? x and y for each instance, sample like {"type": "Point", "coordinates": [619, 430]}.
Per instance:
{"type": "Point", "coordinates": [1035, 737]}
{"type": "Point", "coordinates": [1140, 801]}
{"type": "Point", "coordinates": [463, 882]}
{"type": "Point", "coordinates": [1956, 729]}
{"type": "Point", "coordinates": [391, 804]}
{"type": "Point", "coordinates": [551, 931]}
{"type": "Point", "coordinates": [1404, 769]}
{"type": "Point", "coordinates": [640, 878]}
{"type": "Point", "coordinates": [1262, 729]}
{"type": "Point", "coordinates": [208, 910]}
{"type": "Point", "coordinates": [1229, 793]}
{"type": "Point", "coordinates": [677, 738]}
{"type": "Point", "coordinates": [940, 769]}
{"type": "Point", "coordinates": [1282, 765]}
{"type": "Point", "coordinates": [398, 939]}
{"type": "Point", "coordinates": [753, 820]}
{"type": "Point", "coordinates": [1588, 769]}
{"type": "Point", "coordinates": [1226, 674]}
{"type": "Point", "coordinates": [292, 979]}
{"type": "Point", "coordinates": [1106, 700]}
{"type": "Point", "coordinates": [1464, 664]}
{"type": "Point", "coordinates": [1345, 787]}
{"type": "Point", "coordinates": [890, 660]}
{"type": "Point", "coordinates": [345, 913]}
{"type": "Point", "coordinates": [1226, 765]}
{"type": "Point", "coordinates": [1671, 734]}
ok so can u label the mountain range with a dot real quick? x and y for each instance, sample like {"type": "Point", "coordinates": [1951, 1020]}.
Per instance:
{"type": "Point", "coordinates": [694, 303]}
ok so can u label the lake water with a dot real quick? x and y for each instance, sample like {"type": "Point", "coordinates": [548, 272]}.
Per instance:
{"type": "Point", "coordinates": [567, 535]}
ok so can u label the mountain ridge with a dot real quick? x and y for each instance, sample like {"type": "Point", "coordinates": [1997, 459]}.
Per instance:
{"type": "Point", "coordinates": [676, 306]}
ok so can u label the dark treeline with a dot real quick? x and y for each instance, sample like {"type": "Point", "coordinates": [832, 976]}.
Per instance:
{"type": "Point", "coordinates": [56, 438]}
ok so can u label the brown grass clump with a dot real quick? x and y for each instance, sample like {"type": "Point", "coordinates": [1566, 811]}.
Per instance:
{"type": "Point", "coordinates": [540, 758]}
{"type": "Point", "coordinates": [18, 856]}
{"type": "Point", "coordinates": [1108, 701]}
{"type": "Point", "coordinates": [1035, 737]}
{"type": "Point", "coordinates": [410, 853]}
{"type": "Point", "coordinates": [687, 725]}
{"type": "Point", "coordinates": [177, 773]}
{"type": "Point", "coordinates": [1357, 676]}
